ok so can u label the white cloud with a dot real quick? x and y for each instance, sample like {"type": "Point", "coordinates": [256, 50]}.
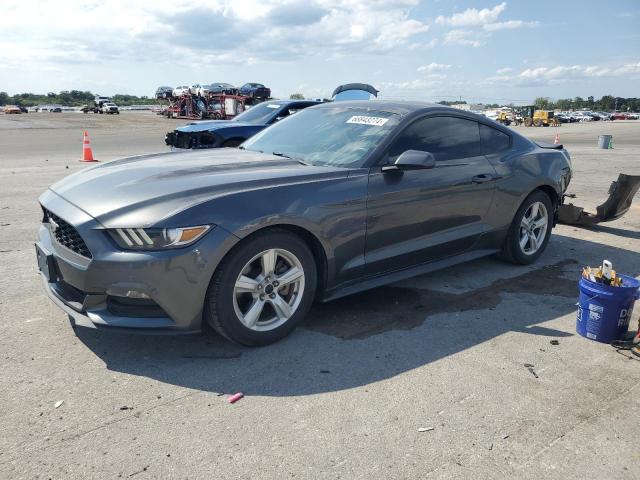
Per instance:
{"type": "Point", "coordinates": [509, 24]}
{"type": "Point", "coordinates": [186, 31]}
{"type": "Point", "coordinates": [434, 76]}
{"type": "Point", "coordinates": [628, 69]}
{"type": "Point", "coordinates": [473, 16]}
{"type": "Point", "coordinates": [434, 67]}
{"type": "Point", "coordinates": [486, 19]}
{"type": "Point", "coordinates": [561, 74]}
{"type": "Point", "coordinates": [417, 84]}
{"type": "Point", "coordinates": [463, 37]}
{"type": "Point", "coordinates": [423, 46]}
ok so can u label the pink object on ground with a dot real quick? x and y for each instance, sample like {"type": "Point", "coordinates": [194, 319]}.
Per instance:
{"type": "Point", "coordinates": [235, 397]}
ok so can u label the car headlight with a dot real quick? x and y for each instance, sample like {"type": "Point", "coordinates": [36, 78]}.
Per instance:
{"type": "Point", "coordinates": [157, 238]}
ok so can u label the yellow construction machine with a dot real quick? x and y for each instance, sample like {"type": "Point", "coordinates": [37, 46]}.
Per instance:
{"type": "Point", "coordinates": [504, 118]}
{"type": "Point", "coordinates": [529, 116]}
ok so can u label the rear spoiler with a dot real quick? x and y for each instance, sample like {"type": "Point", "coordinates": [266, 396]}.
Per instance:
{"type": "Point", "coordinates": [621, 193]}
{"type": "Point", "coordinates": [551, 146]}
{"type": "Point", "coordinates": [355, 86]}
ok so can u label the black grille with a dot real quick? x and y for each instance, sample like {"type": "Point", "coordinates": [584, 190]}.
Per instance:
{"type": "Point", "coordinates": [134, 307]}
{"type": "Point", "coordinates": [66, 235]}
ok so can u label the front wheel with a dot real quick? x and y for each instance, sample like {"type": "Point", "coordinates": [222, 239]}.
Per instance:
{"type": "Point", "coordinates": [530, 230]}
{"type": "Point", "coordinates": [262, 289]}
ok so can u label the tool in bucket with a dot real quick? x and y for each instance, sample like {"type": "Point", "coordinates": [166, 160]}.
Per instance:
{"type": "Point", "coordinates": [606, 303]}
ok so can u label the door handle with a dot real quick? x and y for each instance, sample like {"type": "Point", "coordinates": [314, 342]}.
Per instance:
{"type": "Point", "coordinates": [484, 178]}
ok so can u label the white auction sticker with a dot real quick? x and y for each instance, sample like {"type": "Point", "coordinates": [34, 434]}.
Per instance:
{"type": "Point", "coordinates": [273, 105]}
{"type": "Point", "coordinates": [364, 120]}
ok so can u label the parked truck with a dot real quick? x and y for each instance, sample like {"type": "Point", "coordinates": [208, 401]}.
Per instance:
{"type": "Point", "coordinates": [104, 105]}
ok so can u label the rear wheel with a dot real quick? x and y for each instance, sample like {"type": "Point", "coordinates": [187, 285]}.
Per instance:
{"type": "Point", "coordinates": [262, 289]}
{"type": "Point", "coordinates": [530, 230]}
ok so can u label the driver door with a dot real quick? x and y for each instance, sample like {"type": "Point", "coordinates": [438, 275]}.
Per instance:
{"type": "Point", "coordinates": [421, 215]}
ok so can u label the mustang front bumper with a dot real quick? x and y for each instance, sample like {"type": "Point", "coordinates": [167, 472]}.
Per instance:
{"type": "Point", "coordinates": [150, 291]}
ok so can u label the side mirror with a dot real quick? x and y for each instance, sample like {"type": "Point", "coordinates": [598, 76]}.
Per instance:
{"type": "Point", "coordinates": [412, 160]}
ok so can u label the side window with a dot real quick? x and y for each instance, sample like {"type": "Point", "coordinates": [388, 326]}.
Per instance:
{"type": "Point", "coordinates": [285, 112]}
{"type": "Point", "coordinates": [289, 111]}
{"type": "Point", "coordinates": [493, 140]}
{"type": "Point", "coordinates": [448, 138]}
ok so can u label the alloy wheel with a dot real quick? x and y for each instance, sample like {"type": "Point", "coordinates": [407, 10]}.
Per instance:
{"type": "Point", "coordinates": [268, 290]}
{"type": "Point", "coordinates": [533, 228]}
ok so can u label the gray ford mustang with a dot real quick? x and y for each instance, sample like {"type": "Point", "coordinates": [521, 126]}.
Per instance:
{"type": "Point", "coordinates": [338, 198]}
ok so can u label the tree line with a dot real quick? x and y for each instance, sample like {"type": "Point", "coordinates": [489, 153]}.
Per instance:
{"type": "Point", "coordinates": [69, 98]}
{"type": "Point", "coordinates": [607, 103]}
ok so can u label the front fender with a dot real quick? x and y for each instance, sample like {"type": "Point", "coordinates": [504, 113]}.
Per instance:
{"type": "Point", "coordinates": [333, 210]}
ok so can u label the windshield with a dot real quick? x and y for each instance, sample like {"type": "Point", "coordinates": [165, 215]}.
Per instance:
{"type": "Point", "coordinates": [335, 136]}
{"type": "Point", "coordinates": [260, 114]}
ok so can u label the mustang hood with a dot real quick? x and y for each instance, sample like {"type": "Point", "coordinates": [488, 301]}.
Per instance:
{"type": "Point", "coordinates": [211, 126]}
{"type": "Point", "coordinates": [143, 191]}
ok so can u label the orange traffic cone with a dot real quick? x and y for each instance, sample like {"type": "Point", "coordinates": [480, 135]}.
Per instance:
{"type": "Point", "coordinates": [87, 153]}
{"type": "Point", "coordinates": [557, 140]}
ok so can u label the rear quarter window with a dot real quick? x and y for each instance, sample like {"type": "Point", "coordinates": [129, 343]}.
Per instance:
{"type": "Point", "coordinates": [493, 140]}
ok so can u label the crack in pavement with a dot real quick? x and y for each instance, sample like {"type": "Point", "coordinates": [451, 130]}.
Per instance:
{"type": "Point", "coordinates": [33, 445]}
{"type": "Point", "coordinates": [597, 413]}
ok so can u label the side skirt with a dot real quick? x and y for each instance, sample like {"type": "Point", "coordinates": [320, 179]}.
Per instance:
{"type": "Point", "coordinates": [373, 282]}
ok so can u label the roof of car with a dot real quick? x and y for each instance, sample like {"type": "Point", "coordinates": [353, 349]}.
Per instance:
{"type": "Point", "coordinates": [289, 101]}
{"type": "Point", "coordinates": [393, 106]}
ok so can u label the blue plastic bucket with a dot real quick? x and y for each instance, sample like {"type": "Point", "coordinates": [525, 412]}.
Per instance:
{"type": "Point", "coordinates": [604, 312]}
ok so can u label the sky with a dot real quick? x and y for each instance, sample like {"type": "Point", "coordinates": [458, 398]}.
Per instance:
{"type": "Point", "coordinates": [483, 51]}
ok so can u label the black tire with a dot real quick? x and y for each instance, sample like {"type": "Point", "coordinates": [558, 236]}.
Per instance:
{"type": "Point", "coordinates": [511, 250]}
{"type": "Point", "coordinates": [232, 143]}
{"type": "Point", "coordinates": [219, 312]}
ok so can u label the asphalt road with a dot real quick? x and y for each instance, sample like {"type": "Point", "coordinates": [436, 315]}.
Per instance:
{"type": "Point", "coordinates": [421, 379]}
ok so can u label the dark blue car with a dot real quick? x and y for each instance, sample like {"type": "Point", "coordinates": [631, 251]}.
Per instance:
{"type": "Point", "coordinates": [231, 133]}
{"type": "Point", "coordinates": [255, 90]}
